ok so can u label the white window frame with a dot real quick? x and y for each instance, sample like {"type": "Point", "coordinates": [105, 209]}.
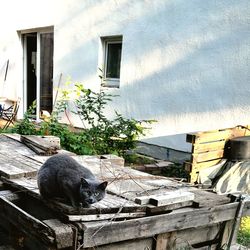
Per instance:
{"type": "Point", "coordinates": [107, 81]}
{"type": "Point", "coordinates": [39, 31]}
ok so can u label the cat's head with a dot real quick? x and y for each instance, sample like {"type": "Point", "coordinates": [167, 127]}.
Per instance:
{"type": "Point", "coordinates": [92, 191]}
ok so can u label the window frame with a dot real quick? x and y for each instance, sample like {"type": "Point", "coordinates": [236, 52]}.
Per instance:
{"type": "Point", "coordinates": [109, 81]}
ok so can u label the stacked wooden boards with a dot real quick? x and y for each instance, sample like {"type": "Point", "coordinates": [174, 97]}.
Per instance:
{"type": "Point", "coordinates": [208, 148]}
{"type": "Point", "coordinates": [176, 214]}
{"type": "Point", "coordinates": [41, 145]}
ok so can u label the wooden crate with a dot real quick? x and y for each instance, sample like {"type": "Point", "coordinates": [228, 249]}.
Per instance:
{"type": "Point", "coordinates": [162, 219]}
{"type": "Point", "coordinates": [208, 148]}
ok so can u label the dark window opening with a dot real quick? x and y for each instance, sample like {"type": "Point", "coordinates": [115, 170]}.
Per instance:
{"type": "Point", "coordinates": [113, 60]}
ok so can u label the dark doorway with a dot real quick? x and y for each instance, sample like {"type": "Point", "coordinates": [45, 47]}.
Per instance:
{"type": "Point", "coordinates": [38, 65]}
{"type": "Point", "coordinates": [31, 68]}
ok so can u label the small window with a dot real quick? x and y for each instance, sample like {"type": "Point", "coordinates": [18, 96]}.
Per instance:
{"type": "Point", "coordinates": [112, 48]}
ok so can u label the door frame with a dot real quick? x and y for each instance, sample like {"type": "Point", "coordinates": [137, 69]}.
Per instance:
{"type": "Point", "coordinates": [38, 31]}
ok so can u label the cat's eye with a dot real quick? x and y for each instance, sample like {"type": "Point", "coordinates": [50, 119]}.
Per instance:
{"type": "Point", "coordinates": [89, 192]}
{"type": "Point", "coordinates": [96, 193]}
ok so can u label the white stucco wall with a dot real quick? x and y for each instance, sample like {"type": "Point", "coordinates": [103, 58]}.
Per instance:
{"type": "Point", "coordinates": [184, 63]}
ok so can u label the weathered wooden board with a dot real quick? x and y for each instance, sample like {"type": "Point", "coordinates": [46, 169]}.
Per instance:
{"type": "Point", "coordinates": [208, 147]}
{"type": "Point", "coordinates": [14, 165]}
{"type": "Point", "coordinates": [9, 195]}
{"type": "Point", "coordinates": [150, 226]}
{"type": "Point", "coordinates": [43, 142]}
{"type": "Point", "coordinates": [166, 241]}
{"type": "Point", "coordinates": [100, 217]}
{"type": "Point", "coordinates": [151, 209]}
{"type": "Point", "coordinates": [191, 236]}
{"type": "Point", "coordinates": [9, 144]}
{"type": "Point", "coordinates": [29, 223]}
{"type": "Point", "coordinates": [110, 204]}
{"type": "Point", "coordinates": [207, 156]}
{"type": "Point", "coordinates": [144, 244]}
{"type": "Point", "coordinates": [64, 236]}
{"type": "Point", "coordinates": [171, 197]}
{"type": "Point", "coordinates": [210, 136]}
{"type": "Point", "coordinates": [166, 198]}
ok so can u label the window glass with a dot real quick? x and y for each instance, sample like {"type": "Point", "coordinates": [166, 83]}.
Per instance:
{"type": "Point", "coordinates": [113, 59]}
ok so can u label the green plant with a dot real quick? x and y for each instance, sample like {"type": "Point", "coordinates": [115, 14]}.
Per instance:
{"type": "Point", "coordinates": [100, 135]}
{"type": "Point", "coordinates": [175, 170]}
{"type": "Point", "coordinates": [244, 232]}
{"type": "Point", "coordinates": [26, 126]}
{"type": "Point", "coordinates": [105, 135]}
{"type": "Point", "coordinates": [133, 158]}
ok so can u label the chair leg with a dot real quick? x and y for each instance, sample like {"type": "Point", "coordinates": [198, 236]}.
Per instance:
{"type": "Point", "coordinates": [7, 124]}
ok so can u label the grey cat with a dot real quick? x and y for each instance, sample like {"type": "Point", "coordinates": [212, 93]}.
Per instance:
{"type": "Point", "coordinates": [63, 177]}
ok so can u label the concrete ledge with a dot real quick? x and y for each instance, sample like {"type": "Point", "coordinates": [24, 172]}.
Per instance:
{"type": "Point", "coordinates": [162, 153]}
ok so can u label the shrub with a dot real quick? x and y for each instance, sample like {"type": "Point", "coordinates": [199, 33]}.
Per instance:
{"type": "Point", "coordinates": [105, 135]}
{"type": "Point", "coordinates": [100, 134]}
{"type": "Point", "coordinates": [26, 126]}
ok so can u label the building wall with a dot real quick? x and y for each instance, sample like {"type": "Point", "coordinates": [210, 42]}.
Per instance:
{"type": "Point", "coordinates": [184, 63]}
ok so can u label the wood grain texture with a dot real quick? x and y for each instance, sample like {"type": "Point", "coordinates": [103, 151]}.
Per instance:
{"type": "Point", "coordinates": [28, 223]}
{"type": "Point", "coordinates": [149, 226]}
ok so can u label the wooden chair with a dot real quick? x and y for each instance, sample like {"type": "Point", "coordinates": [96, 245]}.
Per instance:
{"type": "Point", "coordinates": [9, 114]}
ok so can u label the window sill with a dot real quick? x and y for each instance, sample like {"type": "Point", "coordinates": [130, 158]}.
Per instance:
{"type": "Point", "coordinates": [111, 83]}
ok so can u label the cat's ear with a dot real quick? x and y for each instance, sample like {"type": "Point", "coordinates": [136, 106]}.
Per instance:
{"type": "Point", "coordinates": [84, 183]}
{"type": "Point", "coordinates": [103, 185]}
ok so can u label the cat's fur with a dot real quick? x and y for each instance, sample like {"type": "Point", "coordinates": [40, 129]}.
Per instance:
{"type": "Point", "coordinates": [63, 177]}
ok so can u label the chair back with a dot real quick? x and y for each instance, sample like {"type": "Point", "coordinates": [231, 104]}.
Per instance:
{"type": "Point", "coordinates": [10, 113]}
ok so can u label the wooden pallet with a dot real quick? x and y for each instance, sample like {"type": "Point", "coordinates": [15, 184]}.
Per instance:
{"type": "Point", "coordinates": [208, 148]}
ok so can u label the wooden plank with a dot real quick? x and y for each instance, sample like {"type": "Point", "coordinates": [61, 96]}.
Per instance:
{"type": "Point", "coordinates": [114, 159]}
{"type": "Point", "coordinates": [196, 168]}
{"type": "Point", "coordinates": [238, 131]}
{"type": "Point", "coordinates": [135, 244]}
{"type": "Point", "coordinates": [163, 209]}
{"type": "Point", "coordinates": [28, 223]}
{"type": "Point", "coordinates": [171, 197]}
{"type": "Point", "coordinates": [19, 237]}
{"type": "Point", "coordinates": [205, 164]}
{"type": "Point", "coordinates": [191, 236]}
{"type": "Point", "coordinates": [166, 241]}
{"type": "Point", "coordinates": [40, 145]}
{"type": "Point", "coordinates": [110, 204]}
{"type": "Point", "coordinates": [209, 136]}
{"type": "Point", "coordinates": [9, 171]}
{"type": "Point", "coordinates": [14, 136]}
{"type": "Point", "coordinates": [228, 227]}
{"type": "Point", "coordinates": [43, 142]}
{"type": "Point", "coordinates": [9, 195]}
{"type": "Point", "coordinates": [209, 199]}
{"type": "Point", "coordinates": [166, 198]}
{"type": "Point", "coordinates": [207, 147]}
{"type": "Point", "coordinates": [149, 226]}
{"type": "Point", "coordinates": [15, 165]}
{"type": "Point", "coordinates": [216, 135]}
{"type": "Point", "coordinates": [201, 157]}
{"type": "Point", "coordinates": [39, 151]}
{"type": "Point", "coordinates": [11, 145]}
{"type": "Point", "coordinates": [99, 217]}
{"type": "Point", "coordinates": [63, 233]}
